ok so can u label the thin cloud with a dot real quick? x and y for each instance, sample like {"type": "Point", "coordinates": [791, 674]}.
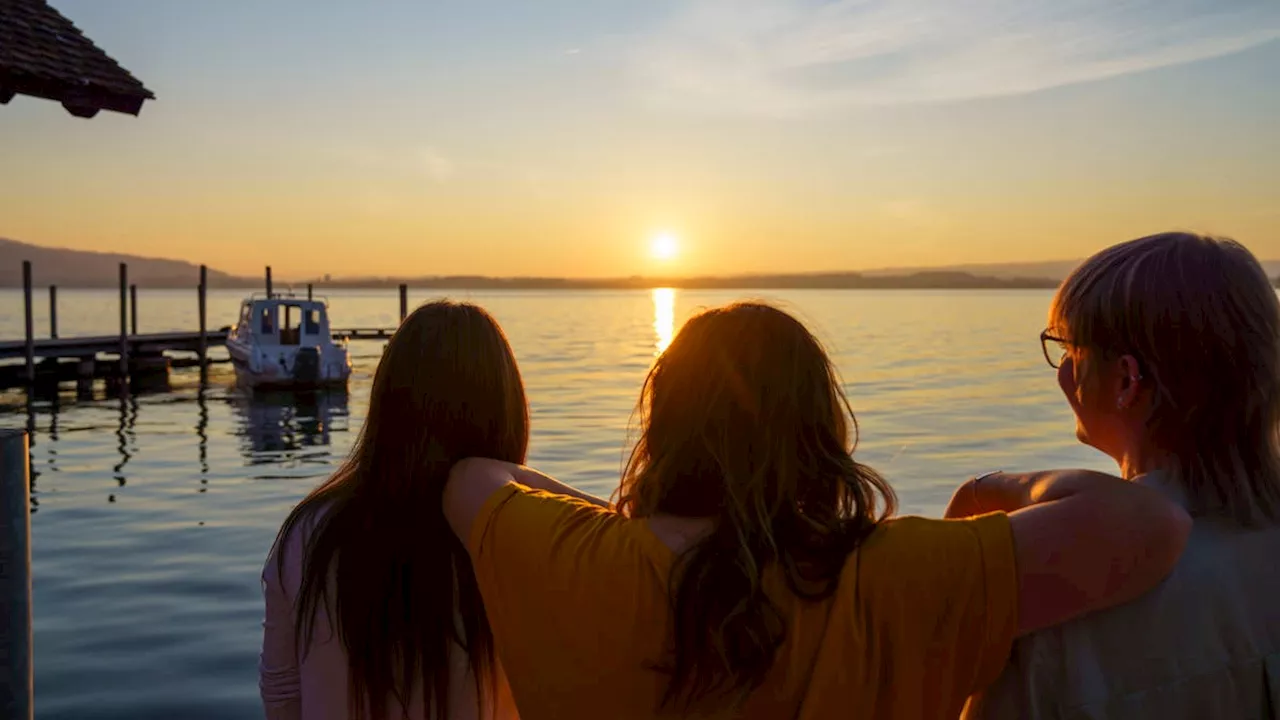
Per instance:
{"type": "Point", "coordinates": [782, 57]}
{"type": "Point", "coordinates": [439, 168]}
{"type": "Point", "coordinates": [394, 161]}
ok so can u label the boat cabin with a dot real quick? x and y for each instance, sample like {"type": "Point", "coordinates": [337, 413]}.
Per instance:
{"type": "Point", "coordinates": [284, 321]}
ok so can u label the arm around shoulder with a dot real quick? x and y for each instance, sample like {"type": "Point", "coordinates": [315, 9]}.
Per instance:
{"type": "Point", "coordinates": [474, 480]}
{"type": "Point", "coordinates": [1085, 541]}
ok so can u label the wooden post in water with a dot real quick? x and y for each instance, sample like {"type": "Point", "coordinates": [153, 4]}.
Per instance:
{"type": "Point", "coordinates": [53, 311]}
{"type": "Point", "coordinates": [16, 677]}
{"type": "Point", "coordinates": [31, 330]}
{"type": "Point", "coordinates": [203, 348]}
{"type": "Point", "coordinates": [124, 324]}
{"type": "Point", "coordinates": [268, 281]}
{"type": "Point", "coordinates": [308, 291]}
{"type": "Point", "coordinates": [86, 369]}
{"type": "Point", "coordinates": [133, 309]}
{"type": "Point", "coordinates": [404, 301]}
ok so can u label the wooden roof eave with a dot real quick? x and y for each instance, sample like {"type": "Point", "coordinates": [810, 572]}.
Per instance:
{"type": "Point", "coordinates": [80, 99]}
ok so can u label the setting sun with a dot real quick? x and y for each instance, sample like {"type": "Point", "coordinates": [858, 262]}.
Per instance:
{"type": "Point", "coordinates": [664, 246]}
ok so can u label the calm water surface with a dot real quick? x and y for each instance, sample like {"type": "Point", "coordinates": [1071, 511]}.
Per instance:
{"type": "Point", "coordinates": [154, 513]}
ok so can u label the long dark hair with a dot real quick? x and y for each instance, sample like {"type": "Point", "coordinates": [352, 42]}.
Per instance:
{"type": "Point", "coordinates": [395, 581]}
{"type": "Point", "coordinates": [743, 421]}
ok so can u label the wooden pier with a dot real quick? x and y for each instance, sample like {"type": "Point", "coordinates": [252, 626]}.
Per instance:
{"type": "Point", "coordinates": [74, 347]}
{"type": "Point", "coordinates": [126, 358]}
{"type": "Point", "coordinates": [76, 359]}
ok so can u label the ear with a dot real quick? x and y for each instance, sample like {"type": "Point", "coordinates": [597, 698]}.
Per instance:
{"type": "Point", "coordinates": [1129, 381]}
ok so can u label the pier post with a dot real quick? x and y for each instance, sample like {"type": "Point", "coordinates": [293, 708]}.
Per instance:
{"type": "Point", "coordinates": [86, 370]}
{"type": "Point", "coordinates": [31, 331]}
{"type": "Point", "coordinates": [133, 309]}
{"type": "Point", "coordinates": [124, 324]}
{"type": "Point", "coordinates": [16, 677]}
{"type": "Point", "coordinates": [404, 301]}
{"type": "Point", "coordinates": [149, 372]}
{"type": "Point", "coordinates": [308, 291]}
{"type": "Point", "coordinates": [53, 311]}
{"type": "Point", "coordinates": [203, 348]}
{"type": "Point", "coordinates": [268, 281]}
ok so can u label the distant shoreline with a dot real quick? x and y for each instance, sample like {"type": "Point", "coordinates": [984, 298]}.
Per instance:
{"type": "Point", "coordinates": [830, 281]}
{"type": "Point", "coordinates": [88, 270]}
{"type": "Point", "coordinates": [824, 281]}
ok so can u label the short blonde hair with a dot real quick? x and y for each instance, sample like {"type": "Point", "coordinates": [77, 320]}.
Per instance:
{"type": "Point", "coordinates": [1202, 318]}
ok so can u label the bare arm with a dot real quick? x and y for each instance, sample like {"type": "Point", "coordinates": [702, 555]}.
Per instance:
{"type": "Point", "coordinates": [529, 477]}
{"type": "Point", "coordinates": [472, 481]}
{"type": "Point", "coordinates": [1083, 540]}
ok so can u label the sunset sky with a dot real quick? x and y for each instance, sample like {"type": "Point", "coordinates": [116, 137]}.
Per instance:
{"type": "Point", "coordinates": [637, 137]}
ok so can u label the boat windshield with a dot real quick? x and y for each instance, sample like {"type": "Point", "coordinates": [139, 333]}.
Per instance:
{"type": "Point", "coordinates": [311, 322]}
{"type": "Point", "coordinates": [299, 320]}
{"type": "Point", "coordinates": [267, 320]}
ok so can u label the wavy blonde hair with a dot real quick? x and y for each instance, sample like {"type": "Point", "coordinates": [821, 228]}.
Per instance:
{"type": "Point", "coordinates": [1202, 318]}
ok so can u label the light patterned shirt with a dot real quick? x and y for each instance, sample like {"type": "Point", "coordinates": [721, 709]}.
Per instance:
{"type": "Point", "coordinates": [1204, 644]}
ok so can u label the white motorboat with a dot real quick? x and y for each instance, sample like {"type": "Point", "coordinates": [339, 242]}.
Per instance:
{"type": "Point", "coordinates": [281, 341]}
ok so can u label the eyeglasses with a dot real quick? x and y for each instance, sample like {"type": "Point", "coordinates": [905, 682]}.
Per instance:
{"type": "Point", "coordinates": [1055, 355]}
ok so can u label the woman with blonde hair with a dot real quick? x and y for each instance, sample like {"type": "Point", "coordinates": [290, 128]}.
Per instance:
{"type": "Point", "coordinates": [751, 569]}
{"type": "Point", "coordinates": [1168, 350]}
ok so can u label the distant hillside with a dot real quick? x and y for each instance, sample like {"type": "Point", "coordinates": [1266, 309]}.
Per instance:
{"type": "Point", "coordinates": [78, 268]}
{"type": "Point", "coordinates": [1054, 270]}
{"type": "Point", "coordinates": [1051, 270]}
{"type": "Point", "coordinates": [83, 269]}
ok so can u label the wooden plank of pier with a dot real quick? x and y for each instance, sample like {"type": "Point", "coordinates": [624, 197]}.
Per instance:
{"type": "Point", "coordinates": [363, 334]}
{"type": "Point", "coordinates": [150, 344]}
{"type": "Point", "coordinates": [110, 344]}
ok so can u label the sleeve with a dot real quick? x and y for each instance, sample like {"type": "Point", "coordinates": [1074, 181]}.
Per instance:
{"type": "Point", "coordinates": [279, 682]}
{"type": "Point", "coordinates": [955, 585]}
{"type": "Point", "coordinates": [998, 614]}
{"type": "Point", "coordinates": [545, 533]}
{"type": "Point", "coordinates": [556, 575]}
{"type": "Point", "coordinates": [522, 535]}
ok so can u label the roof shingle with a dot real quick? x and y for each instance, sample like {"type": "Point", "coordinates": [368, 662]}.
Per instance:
{"type": "Point", "coordinates": [43, 54]}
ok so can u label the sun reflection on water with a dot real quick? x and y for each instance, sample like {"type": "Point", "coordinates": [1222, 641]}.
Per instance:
{"type": "Point", "coordinates": [664, 317]}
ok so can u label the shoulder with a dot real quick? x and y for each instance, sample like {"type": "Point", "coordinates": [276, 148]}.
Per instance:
{"type": "Point", "coordinates": [1206, 624]}
{"type": "Point", "coordinates": [542, 537]}
{"type": "Point", "coordinates": [924, 539]}
{"type": "Point", "coordinates": [536, 517]}
{"type": "Point", "coordinates": [288, 551]}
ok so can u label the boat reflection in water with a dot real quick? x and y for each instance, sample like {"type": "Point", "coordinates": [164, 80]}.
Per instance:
{"type": "Point", "coordinates": [289, 425]}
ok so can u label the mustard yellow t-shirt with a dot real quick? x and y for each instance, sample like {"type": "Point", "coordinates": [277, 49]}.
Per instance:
{"type": "Point", "coordinates": [924, 615]}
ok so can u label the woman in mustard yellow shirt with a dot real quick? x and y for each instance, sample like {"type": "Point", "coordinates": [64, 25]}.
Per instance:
{"type": "Point", "coordinates": [751, 569]}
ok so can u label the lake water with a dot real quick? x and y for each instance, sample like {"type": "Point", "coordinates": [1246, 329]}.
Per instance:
{"type": "Point", "coordinates": [153, 514]}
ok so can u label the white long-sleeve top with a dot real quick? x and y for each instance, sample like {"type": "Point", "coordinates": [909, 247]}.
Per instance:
{"type": "Point", "coordinates": [315, 687]}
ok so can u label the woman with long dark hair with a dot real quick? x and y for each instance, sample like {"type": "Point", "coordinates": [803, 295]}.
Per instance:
{"type": "Point", "coordinates": [752, 569]}
{"type": "Point", "coordinates": [372, 609]}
